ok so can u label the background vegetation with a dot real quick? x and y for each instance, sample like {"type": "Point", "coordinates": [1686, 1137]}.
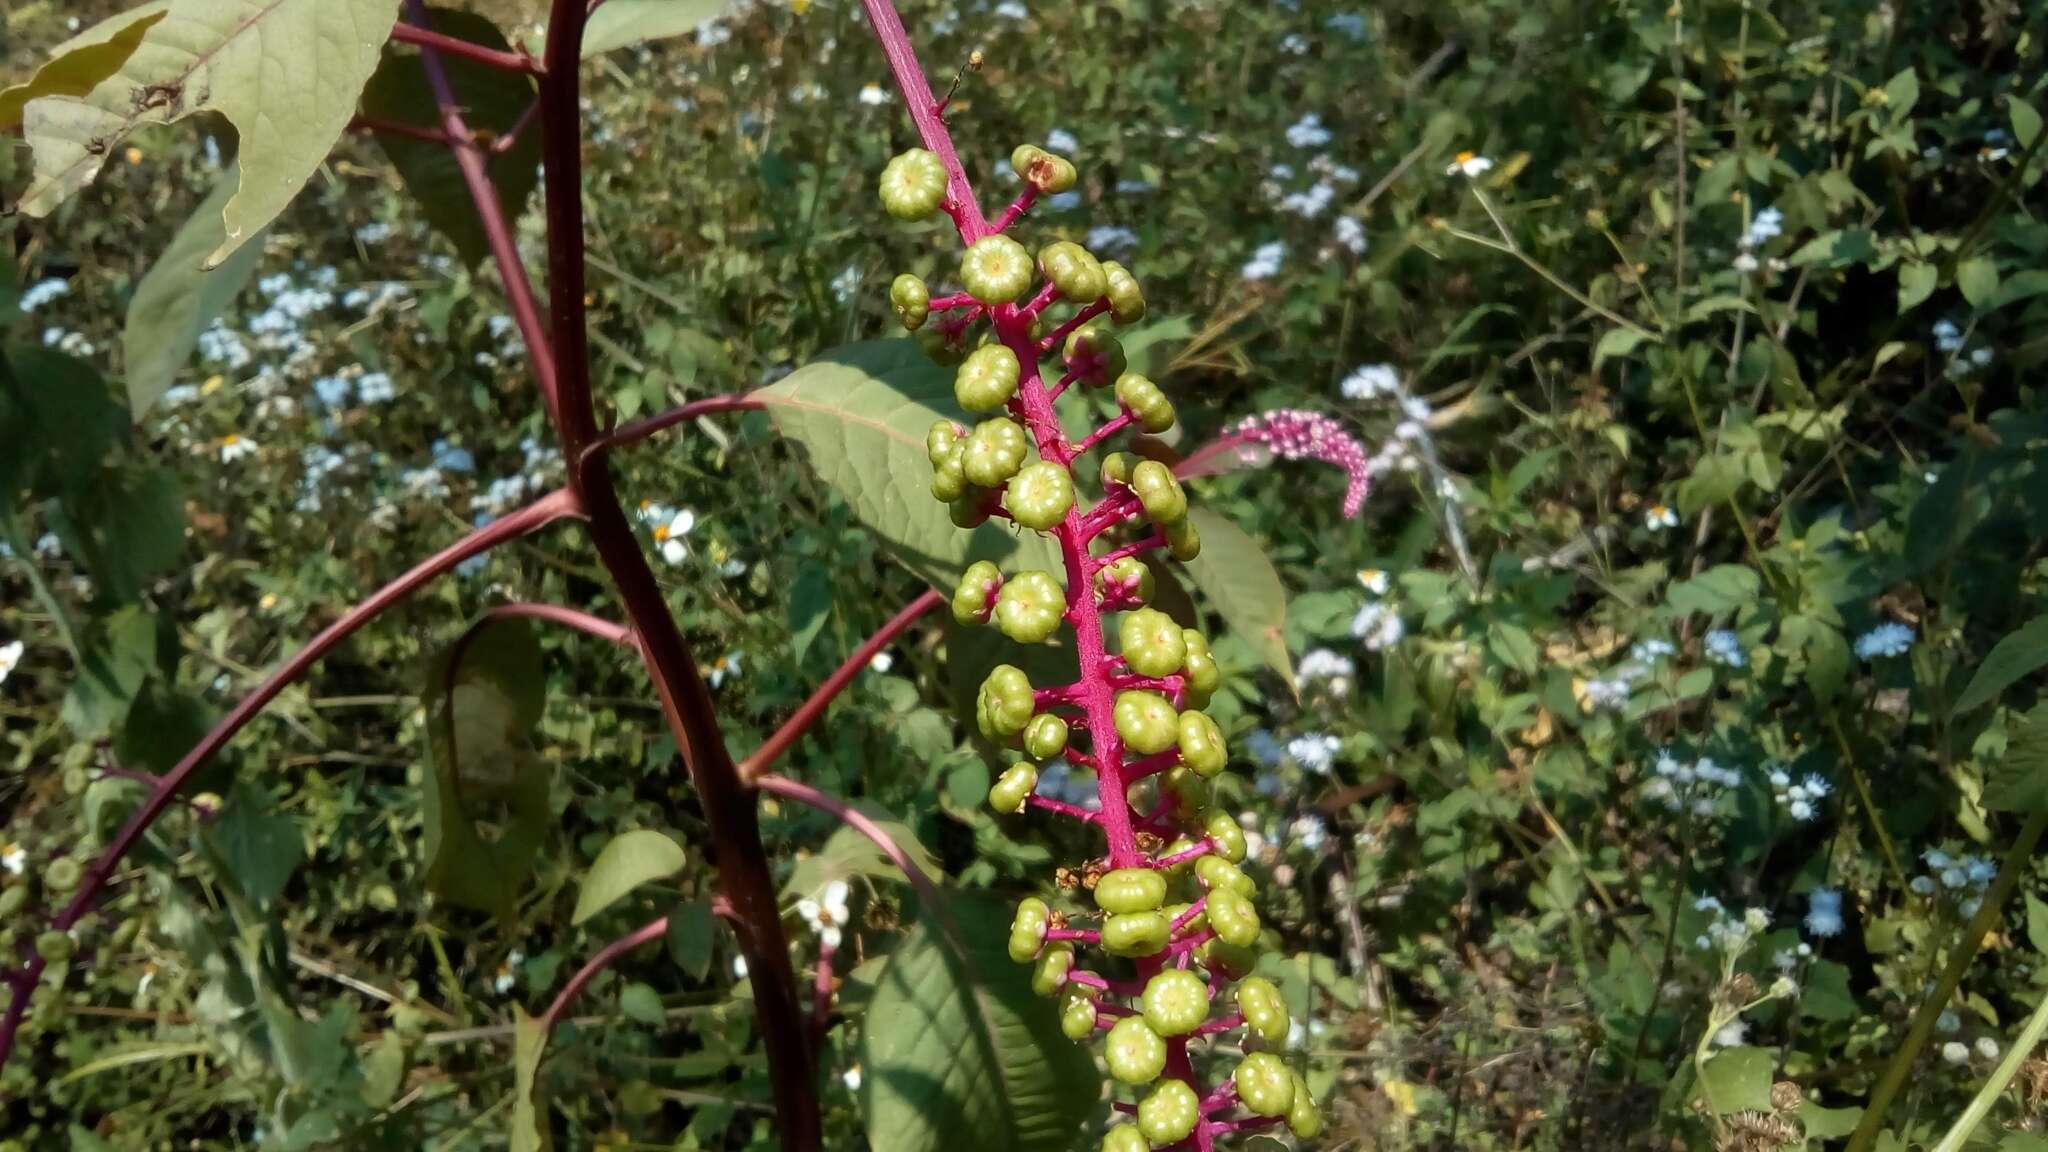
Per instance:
{"type": "Point", "coordinates": [1689, 640]}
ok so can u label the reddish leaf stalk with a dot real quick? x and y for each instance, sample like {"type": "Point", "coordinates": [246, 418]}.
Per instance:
{"type": "Point", "coordinates": [640, 430]}
{"type": "Point", "coordinates": [543, 511]}
{"type": "Point", "coordinates": [854, 818]}
{"type": "Point", "coordinates": [813, 709]}
{"type": "Point", "coordinates": [605, 958]}
{"type": "Point", "coordinates": [567, 617]}
{"type": "Point", "coordinates": [418, 33]}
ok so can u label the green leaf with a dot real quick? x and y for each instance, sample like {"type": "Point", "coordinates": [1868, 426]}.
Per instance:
{"type": "Point", "coordinates": [485, 805]}
{"type": "Point", "coordinates": [1944, 516]}
{"type": "Point", "coordinates": [1738, 1080]}
{"type": "Point", "coordinates": [631, 859]}
{"type": "Point", "coordinates": [1616, 342]}
{"type": "Point", "coordinates": [178, 297]}
{"type": "Point", "coordinates": [642, 1003]}
{"type": "Point", "coordinates": [58, 422]}
{"type": "Point", "coordinates": [861, 413]}
{"type": "Point", "coordinates": [1512, 645]}
{"type": "Point", "coordinates": [2019, 781]}
{"type": "Point", "coordinates": [128, 528]}
{"type": "Point", "coordinates": [2026, 122]}
{"type": "Point", "coordinates": [2037, 924]}
{"type": "Point", "coordinates": [77, 65]}
{"type": "Point", "coordinates": [1901, 92]}
{"type": "Point", "coordinates": [691, 932]}
{"type": "Point", "coordinates": [1850, 246]}
{"type": "Point", "coordinates": [624, 22]}
{"type": "Point", "coordinates": [493, 99]}
{"type": "Point", "coordinates": [1916, 283]}
{"type": "Point", "coordinates": [529, 1042]}
{"type": "Point", "coordinates": [810, 605]}
{"type": "Point", "coordinates": [1824, 649]}
{"type": "Point", "coordinates": [848, 853]}
{"type": "Point", "coordinates": [384, 1070]}
{"type": "Point", "coordinates": [1714, 480]}
{"type": "Point", "coordinates": [2015, 656]}
{"type": "Point", "coordinates": [957, 1052]}
{"type": "Point", "coordinates": [1239, 582]}
{"type": "Point", "coordinates": [259, 847]}
{"type": "Point", "coordinates": [111, 672]}
{"type": "Point", "coordinates": [285, 73]}
{"type": "Point", "coordinates": [1825, 993]}
{"type": "Point", "coordinates": [1978, 278]}
{"type": "Point", "coordinates": [1721, 588]}
{"type": "Point", "coordinates": [1827, 1123]}
{"type": "Point", "coordinates": [1146, 346]}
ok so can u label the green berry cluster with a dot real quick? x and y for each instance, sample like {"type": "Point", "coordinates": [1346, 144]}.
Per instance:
{"type": "Point", "coordinates": [1172, 915]}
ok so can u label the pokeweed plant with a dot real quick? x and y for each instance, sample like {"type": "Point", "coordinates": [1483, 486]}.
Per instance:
{"type": "Point", "coordinates": [1177, 924]}
{"type": "Point", "coordinates": [1168, 898]}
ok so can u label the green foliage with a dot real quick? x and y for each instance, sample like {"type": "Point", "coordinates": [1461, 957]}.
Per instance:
{"type": "Point", "coordinates": [630, 860]}
{"type": "Point", "coordinates": [179, 296]}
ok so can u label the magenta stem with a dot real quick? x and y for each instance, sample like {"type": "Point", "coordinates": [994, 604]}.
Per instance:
{"type": "Point", "coordinates": [956, 300]}
{"type": "Point", "coordinates": [428, 39]}
{"type": "Point", "coordinates": [854, 818]}
{"type": "Point", "coordinates": [1189, 913]}
{"type": "Point", "coordinates": [605, 958]}
{"type": "Point", "coordinates": [1084, 935]}
{"type": "Point", "coordinates": [1060, 334]}
{"type": "Point", "coordinates": [1185, 855]}
{"type": "Point", "coordinates": [1221, 1024]}
{"type": "Point", "coordinates": [641, 429]}
{"type": "Point", "coordinates": [567, 617]}
{"type": "Point", "coordinates": [1109, 428]}
{"type": "Point", "coordinates": [1062, 808]}
{"type": "Point", "coordinates": [924, 112]}
{"type": "Point", "coordinates": [1046, 295]}
{"type": "Point", "coordinates": [1155, 540]}
{"type": "Point", "coordinates": [1018, 208]}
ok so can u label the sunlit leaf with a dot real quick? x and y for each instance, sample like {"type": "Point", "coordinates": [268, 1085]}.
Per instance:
{"type": "Point", "coordinates": [179, 296]}
{"type": "Point", "coordinates": [1738, 1080]}
{"type": "Point", "coordinates": [77, 66]}
{"type": "Point", "coordinates": [1234, 577]}
{"type": "Point", "coordinates": [625, 22]}
{"type": "Point", "coordinates": [629, 860]}
{"type": "Point", "coordinates": [2013, 658]}
{"type": "Point", "coordinates": [285, 73]}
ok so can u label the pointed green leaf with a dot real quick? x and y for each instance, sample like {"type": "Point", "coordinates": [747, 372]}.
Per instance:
{"type": "Point", "coordinates": [1616, 342]}
{"type": "Point", "coordinates": [2019, 781]}
{"type": "Point", "coordinates": [1978, 279]}
{"type": "Point", "coordinates": [2015, 656]}
{"type": "Point", "coordinates": [529, 1042]}
{"type": "Point", "coordinates": [285, 73]}
{"type": "Point", "coordinates": [1238, 581]}
{"type": "Point", "coordinates": [861, 413]}
{"type": "Point", "coordinates": [493, 100]}
{"type": "Point", "coordinates": [848, 853]}
{"type": "Point", "coordinates": [957, 1052]}
{"type": "Point", "coordinates": [77, 66]}
{"type": "Point", "coordinates": [259, 847]}
{"type": "Point", "coordinates": [1916, 283]}
{"type": "Point", "coordinates": [625, 22]}
{"type": "Point", "coordinates": [179, 296]}
{"type": "Point", "coordinates": [2026, 122]}
{"type": "Point", "coordinates": [630, 860]}
{"type": "Point", "coordinates": [692, 930]}
{"type": "Point", "coordinates": [1738, 1080]}
{"type": "Point", "coordinates": [1722, 588]}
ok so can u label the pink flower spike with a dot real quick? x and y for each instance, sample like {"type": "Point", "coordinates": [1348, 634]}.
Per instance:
{"type": "Point", "coordinates": [1297, 434]}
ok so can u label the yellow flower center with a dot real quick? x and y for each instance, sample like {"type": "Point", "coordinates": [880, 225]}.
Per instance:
{"type": "Point", "coordinates": [230, 440]}
{"type": "Point", "coordinates": [1467, 157]}
{"type": "Point", "coordinates": [661, 533]}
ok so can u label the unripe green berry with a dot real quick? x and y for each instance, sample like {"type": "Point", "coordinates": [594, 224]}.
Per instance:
{"type": "Point", "coordinates": [1077, 274]}
{"type": "Point", "coordinates": [977, 588]}
{"type": "Point", "coordinates": [986, 379]}
{"type": "Point", "coordinates": [1170, 1113]}
{"type": "Point", "coordinates": [1304, 1119]}
{"type": "Point", "coordinates": [1049, 974]}
{"type": "Point", "coordinates": [913, 185]}
{"type": "Point", "coordinates": [1233, 917]}
{"type": "Point", "coordinates": [1265, 1084]}
{"type": "Point", "coordinates": [1201, 744]}
{"type": "Point", "coordinates": [911, 300]}
{"type": "Point", "coordinates": [945, 447]}
{"type": "Point", "coordinates": [970, 511]}
{"type": "Point", "coordinates": [1027, 930]}
{"type": "Point", "coordinates": [1125, 1138]}
{"type": "Point", "coordinates": [1135, 933]}
{"type": "Point", "coordinates": [1013, 788]}
{"type": "Point", "coordinates": [1077, 1012]}
{"type": "Point", "coordinates": [1223, 831]}
{"type": "Point", "coordinates": [1230, 959]}
{"type": "Point", "coordinates": [1152, 642]}
{"type": "Point", "coordinates": [1040, 495]}
{"type": "Point", "coordinates": [1116, 469]}
{"type": "Point", "coordinates": [1203, 677]}
{"type": "Point", "coordinates": [996, 270]}
{"type": "Point", "coordinates": [55, 947]}
{"type": "Point", "coordinates": [1093, 355]}
{"type": "Point", "coordinates": [63, 874]}
{"type": "Point", "coordinates": [1134, 1052]}
{"type": "Point", "coordinates": [1175, 1002]}
{"type": "Point", "coordinates": [1042, 169]}
{"type": "Point", "coordinates": [1264, 1010]}
{"type": "Point", "coordinates": [1030, 606]}
{"type": "Point", "coordinates": [1125, 580]}
{"type": "Point", "coordinates": [1130, 890]}
{"type": "Point", "coordinates": [1145, 401]}
{"type": "Point", "coordinates": [1126, 299]}
{"type": "Point", "coordinates": [1183, 543]}
{"type": "Point", "coordinates": [12, 900]}
{"type": "Point", "coordinates": [1157, 490]}
{"type": "Point", "coordinates": [1004, 705]}
{"type": "Point", "coordinates": [1215, 872]}
{"type": "Point", "coordinates": [1145, 722]}
{"type": "Point", "coordinates": [1046, 736]}
{"type": "Point", "coordinates": [995, 450]}
{"type": "Point", "coordinates": [1190, 792]}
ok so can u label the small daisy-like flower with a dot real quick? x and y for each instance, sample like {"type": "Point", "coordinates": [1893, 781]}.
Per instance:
{"type": "Point", "coordinates": [725, 666]}
{"type": "Point", "coordinates": [1659, 517]}
{"type": "Point", "coordinates": [1470, 165]}
{"type": "Point", "coordinates": [1315, 752]}
{"type": "Point", "coordinates": [1745, 262]}
{"type": "Point", "coordinates": [1320, 665]}
{"type": "Point", "coordinates": [14, 858]}
{"type": "Point", "coordinates": [739, 967]}
{"type": "Point", "coordinates": [873, 95]}
{"type": "Point", "coordinates": [10, 658]}
{"type": "Point", "coordinates": [670, 536]}
{"type": "Point", "coordinates": [1373, 580]}
{"type": "Point", "coordinates": [1309, 833]}
{"type": "Point", "coordinates": [1265, 261]}
{"type": "Point", "coordinates": [1987, 1048]}
{"type": "Point", "coordinates": [508, 972]}
{"type": "Point", "coordinates": [1308, 132]}
{"type": "Point", "coordinates": [235, 446]}
{"type": "Point", "coordinates": [148, 977]}
{"type": "Point", "coordinates": [826, 913]}
{"type": "Point", "coordinates": [851, 1078]}
{"type": "Point", "coordinates": [1351, 235]}
{"type": "Point", "coordinates": [1766, 226]}
{"type": "Point", "coordinates": [1955, 1052]}
{"type": "Point", "coordinates": [1371, 382]}
{"type": "Point", "coordinates": [1887, 639]}
{"type": "Point", "coordinates": [1650, 651]}
{"type": "Point", "coordinates": [1922, 885]}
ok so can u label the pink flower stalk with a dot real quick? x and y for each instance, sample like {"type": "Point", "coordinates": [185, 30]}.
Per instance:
{"type": "Point", "coordinates": [1298, 434]}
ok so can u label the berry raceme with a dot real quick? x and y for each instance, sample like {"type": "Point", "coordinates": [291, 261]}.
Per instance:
{"type": "Point", "coordinates": [1179, 939]}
